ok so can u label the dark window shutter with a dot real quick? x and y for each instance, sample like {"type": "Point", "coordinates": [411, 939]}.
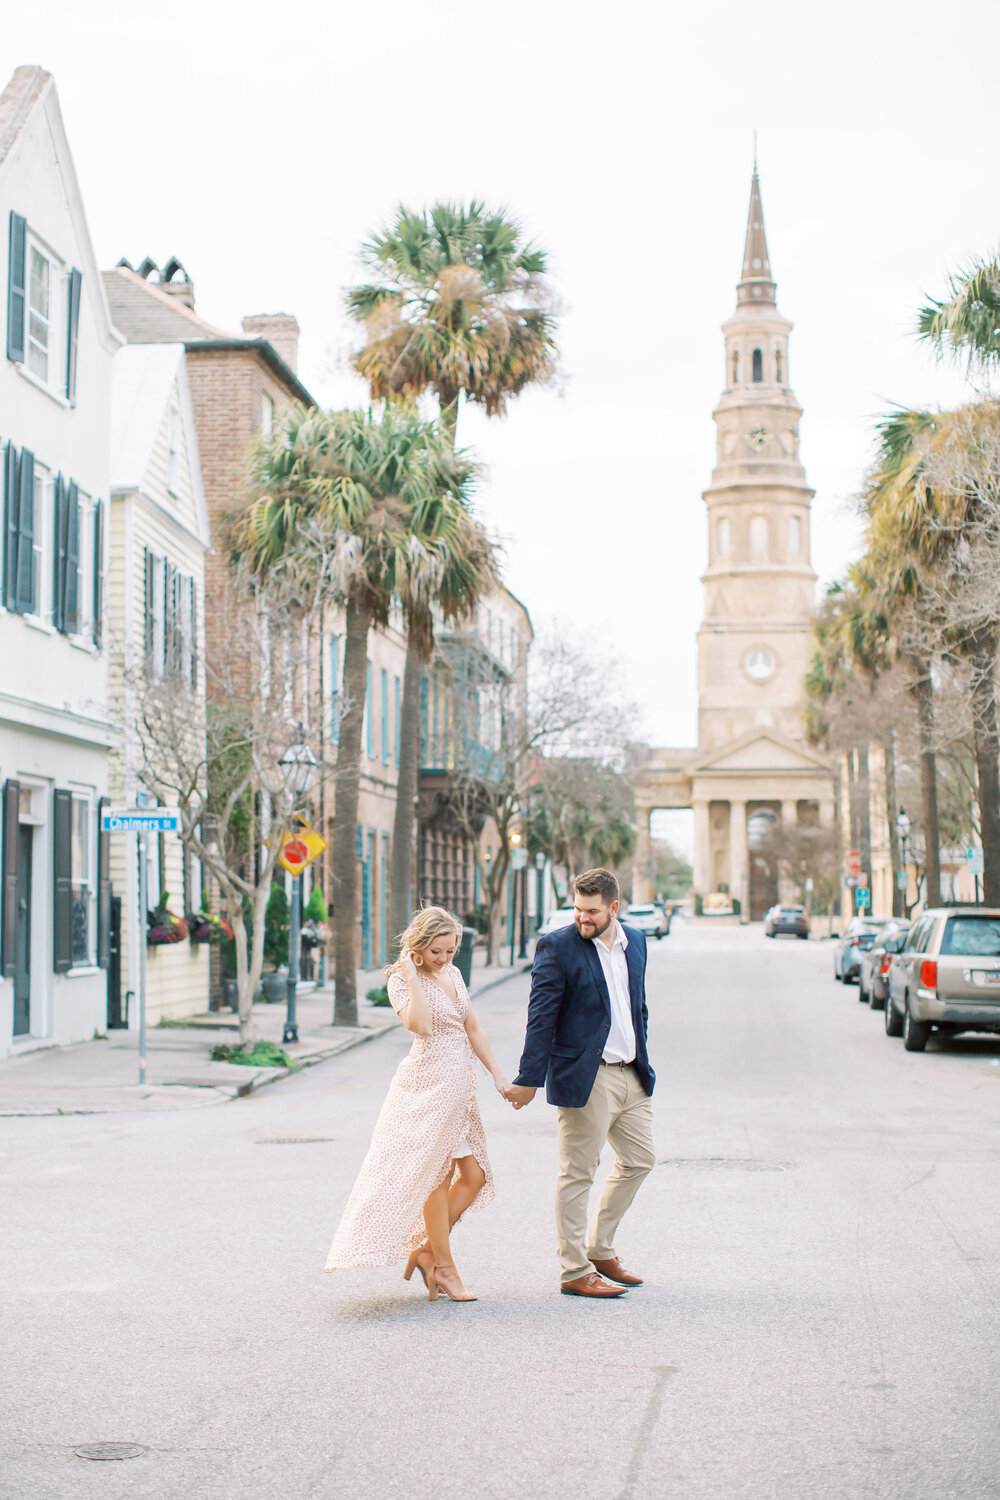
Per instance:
{"type": "Point", "coordinates": [98, 580]}
{"type": "Point", "coordinates": [62, 868]}
{"type": "Point", "coordinates": [72, 332]}
{"type": "Point", "coordinates": [8, 916]}
{"type": "Point", "coordinates": [193, 627]}
{"type": "Point", "coordinates": [24, 600]}
{"type": "Point", "coordinates": [150, 613]}
{"type": "Point", "coordinates": [171, 618]}
{"type": "Point", "coordinates": [59, 553]}
{"type": "Point", "coordinates": [71, 593]}
{"type": "Point", "coordinates": [17, 297]}
{"type": "Point", "coordinates": [9, 525]}
{"type": "Point", "coordinates": [103, 890]}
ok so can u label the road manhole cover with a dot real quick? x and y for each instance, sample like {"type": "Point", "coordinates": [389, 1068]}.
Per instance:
{"type": "Point", "coordinates": [726, 1164]}
{"type": "Point", "coordinates": [297, 1140]}
{"type": "Point", "coordinates": [110, 1450]}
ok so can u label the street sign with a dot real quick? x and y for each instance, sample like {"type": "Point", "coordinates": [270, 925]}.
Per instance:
{"type": "Point", "coordinates": [863, 896]}
{"type": "Point", "coordinates": [854, 861]}
{"type": "Point", "coordinates": [974, 861]}
{"type": "Point", "coordinates": [851, 881]}
{"type": "Point", "coordinates": [299, 849]}
{"type": "Point", "coordinates": [140, 820]}
{"type": "Point", "coordinates": [809, 883]}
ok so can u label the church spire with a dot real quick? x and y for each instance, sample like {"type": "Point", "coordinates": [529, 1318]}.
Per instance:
{"type": "Point", "coordinates": [756, 285]}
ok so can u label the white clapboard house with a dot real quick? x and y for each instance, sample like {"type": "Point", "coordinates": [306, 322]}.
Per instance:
{"type": "Point", "coordinates": [58, 345]}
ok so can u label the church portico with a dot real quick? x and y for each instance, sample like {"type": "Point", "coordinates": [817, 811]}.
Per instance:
{"type": "Point", "coordinates": [752, 782]}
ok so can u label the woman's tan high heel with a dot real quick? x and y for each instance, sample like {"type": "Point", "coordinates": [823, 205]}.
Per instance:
{"type": "Point", "coordinates": [416, 1264]}
{"type": "Point", "coordinates": [440, 1276]}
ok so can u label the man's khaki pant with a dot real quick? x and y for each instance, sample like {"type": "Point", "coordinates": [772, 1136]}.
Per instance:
{"type": "Point", "coordinates": [618, 1111]}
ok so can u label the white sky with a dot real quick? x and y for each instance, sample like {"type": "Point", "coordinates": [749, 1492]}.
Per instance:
{"type": "Point", "coordinates": [260, 143]}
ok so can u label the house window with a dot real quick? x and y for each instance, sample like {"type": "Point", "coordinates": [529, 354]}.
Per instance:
{"type": "Point", "coordinates": [758, 366]}
{"type": "Point", "coordinates": [40, 286]}
{"type": "Point", "coordinates": [385, 717]}
{"type": "Point", "coordinates": [82, 849]}
{"type": "Point", "coordinates": [44, 488]}
{"type": "Point", "coordinates": [369, 728]}
{"type": "Point", "coordinates": [174, 450]}
{"type": "Point", "coordinates": [758, 536]}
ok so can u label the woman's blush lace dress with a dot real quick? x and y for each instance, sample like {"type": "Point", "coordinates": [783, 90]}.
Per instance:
{"type": "Point", "coordinates": [430, 1117]}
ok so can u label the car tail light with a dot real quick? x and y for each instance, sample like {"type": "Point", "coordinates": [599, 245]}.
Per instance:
{"type": "Point", "coordinates": [884, 963]}
{"type": "Point", "coordinates": [928, 974]}
{"type": "Point", "coordinates": [855, 942]}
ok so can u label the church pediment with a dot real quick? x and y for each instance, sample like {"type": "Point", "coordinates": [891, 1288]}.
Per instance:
{"type": "Point", "coordinates": [760, 750]}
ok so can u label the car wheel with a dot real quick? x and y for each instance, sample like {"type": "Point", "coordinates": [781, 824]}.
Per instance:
{"type": "Point", "coordinates": [863, 994]}
{"type": "Point", "coordinates": [876, 1001]}
{"type": "Point", "coordinates": [893, 1020]}
{"type": "Point", "coordinates": [915, 1033]}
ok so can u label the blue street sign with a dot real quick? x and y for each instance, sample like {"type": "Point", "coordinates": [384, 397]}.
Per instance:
{"type": "Point", "coordinates": [864, 895]}
{"type": "Point", "coordinates": [140, 820]}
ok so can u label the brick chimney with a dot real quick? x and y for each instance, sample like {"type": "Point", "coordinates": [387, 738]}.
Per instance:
{"type": "Point", "coordinates": [281, 331]}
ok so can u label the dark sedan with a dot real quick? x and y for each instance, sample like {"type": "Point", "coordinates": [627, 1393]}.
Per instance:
{"type": "Point", "coordinates": [792, 920]}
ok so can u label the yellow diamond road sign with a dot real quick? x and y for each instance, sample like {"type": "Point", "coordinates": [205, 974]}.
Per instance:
{"type": "Point", "coordinates": [300, 848]}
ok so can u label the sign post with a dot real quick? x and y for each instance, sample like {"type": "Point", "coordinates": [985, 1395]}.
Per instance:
{"type": "Point", "coordinates": [863, 896]}
{"type": "Point", "coordinates": [141, 821]}
{"type": "Point", "coordinates": [298, 850]}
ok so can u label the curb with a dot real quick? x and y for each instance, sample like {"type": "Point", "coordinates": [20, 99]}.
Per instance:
{"type": "Point", "coordinates": [491, 984]}
{"type": "Point", "coordinates": [273, 1075]}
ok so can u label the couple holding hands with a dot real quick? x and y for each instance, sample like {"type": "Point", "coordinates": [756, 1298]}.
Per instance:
{"type": "Point", "coordinates": [585, 1041]}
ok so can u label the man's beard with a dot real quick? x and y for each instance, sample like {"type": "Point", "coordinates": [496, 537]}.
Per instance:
{"type": "Point", "coordinates": [589, 937]}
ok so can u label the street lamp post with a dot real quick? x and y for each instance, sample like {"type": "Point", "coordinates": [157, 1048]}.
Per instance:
{"type": "Point", "coordinates": [298, 767]}
{"type": "Point", "coordinates": [539, 889]}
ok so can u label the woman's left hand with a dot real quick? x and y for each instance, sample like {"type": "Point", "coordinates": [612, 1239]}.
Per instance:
{"type": "Point", "coordinates": [501, 1084]}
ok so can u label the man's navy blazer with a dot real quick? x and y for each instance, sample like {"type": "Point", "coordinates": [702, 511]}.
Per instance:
{"type": "Point", "coordinates": [569, 1016]}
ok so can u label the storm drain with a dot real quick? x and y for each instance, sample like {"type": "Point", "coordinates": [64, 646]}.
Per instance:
{"type": "Point", "coordinates": [110, 1450]}
{"type": "Point", "coordinates": [726, 1164]}
{"type": "Point", "coordinates": [296, 1140]}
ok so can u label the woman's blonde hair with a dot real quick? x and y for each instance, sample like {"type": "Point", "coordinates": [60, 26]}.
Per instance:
{"type": "Point", "coordinates": [433, 922]}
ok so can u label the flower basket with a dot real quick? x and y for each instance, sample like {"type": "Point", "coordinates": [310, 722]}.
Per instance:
{"type": "Point", "coordinates": [206, 928]}
{"type": "Point", "coordinates": [159, 935]}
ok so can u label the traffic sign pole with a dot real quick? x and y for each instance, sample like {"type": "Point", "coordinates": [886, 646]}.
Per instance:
{"type": "Point", "coordinates": [143, 900]}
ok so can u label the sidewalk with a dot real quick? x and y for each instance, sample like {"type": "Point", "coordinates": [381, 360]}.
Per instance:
{"type": "Point", "coordinates": [99, 1077]}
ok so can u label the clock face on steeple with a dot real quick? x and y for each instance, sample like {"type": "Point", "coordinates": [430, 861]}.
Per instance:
{"type": "Point", "coordinates": [757, 437]}
{"type": "Point", "coordinates": [759, 664]}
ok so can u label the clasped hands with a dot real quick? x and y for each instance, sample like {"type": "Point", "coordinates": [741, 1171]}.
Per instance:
{"type": "Point", "coordinates": [517, 1094]}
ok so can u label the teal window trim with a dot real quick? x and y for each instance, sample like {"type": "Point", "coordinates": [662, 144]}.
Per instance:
{"type": "Point", "coordinates": [385, 717]}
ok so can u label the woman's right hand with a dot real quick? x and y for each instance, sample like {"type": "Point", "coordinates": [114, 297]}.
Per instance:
{"type": "Point", "coordinates": [407, 959]}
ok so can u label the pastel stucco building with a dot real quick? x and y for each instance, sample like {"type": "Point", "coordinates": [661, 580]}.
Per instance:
{"type": "Point", "coordinates": [58, 345]}
{"type": "Point", "coordinates": [751, 774]}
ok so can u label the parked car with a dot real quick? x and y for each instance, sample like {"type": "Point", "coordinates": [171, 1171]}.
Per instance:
{"type": "Point", "coordinates": [946, 977]}
{"type": "Point", "coordinates": [562, 916]}
{"type": "Point", "coordinates": [790, 919]}
{"type": "Point", "coordinates": [873, 975]}
{"type": "Point", "coordinates": [650, 919]}
{"type": "Point", "coordinates": [859, 935]}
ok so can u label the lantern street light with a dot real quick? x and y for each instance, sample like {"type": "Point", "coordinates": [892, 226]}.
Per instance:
{"type": "Point", "coordinates": [298, 767]}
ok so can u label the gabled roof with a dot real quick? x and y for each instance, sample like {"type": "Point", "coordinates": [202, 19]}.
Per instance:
{"type": "Point", "coordinates": [761, 749]}
{"type": "Point", "coordinates": [31, 88]}
{"type": "Point", "coordinates": [147, 315]}
{"type": "Point", "coordinates": [143, 377]}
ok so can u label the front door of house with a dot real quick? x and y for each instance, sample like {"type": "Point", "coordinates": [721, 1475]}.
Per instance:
{"type": "Point", "coordinates": [22, 933]}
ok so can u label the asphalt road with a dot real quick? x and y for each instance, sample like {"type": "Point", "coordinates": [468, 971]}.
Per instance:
{"type": "Point", "coordinates": [821, 1241]}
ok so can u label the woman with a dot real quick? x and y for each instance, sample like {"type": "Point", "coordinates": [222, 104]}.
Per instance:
{"type": "Point", "coordinates": [427, 1162]}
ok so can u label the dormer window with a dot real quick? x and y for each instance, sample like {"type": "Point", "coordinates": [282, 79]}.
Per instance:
{"type": "Point", "coordinates": [758, 366]}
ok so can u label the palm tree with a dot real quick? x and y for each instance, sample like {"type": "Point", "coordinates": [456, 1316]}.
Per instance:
{"type": "Point", "coordinates": [358, 495]}
{"type": "Point", "coordinates": [458, 305]}
{"type": "Point", "coordinates": [967, 322]}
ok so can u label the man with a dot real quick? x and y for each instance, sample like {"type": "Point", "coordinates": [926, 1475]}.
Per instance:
{"type": "Point", "coordinates": [586, 1040]}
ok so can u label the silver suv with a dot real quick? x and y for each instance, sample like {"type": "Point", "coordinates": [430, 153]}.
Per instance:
{"type": "Point", "coordinates": [946, 976]}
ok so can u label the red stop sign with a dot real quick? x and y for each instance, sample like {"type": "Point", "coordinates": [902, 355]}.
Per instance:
{"type": "Point", "coordinates": [295, 851]}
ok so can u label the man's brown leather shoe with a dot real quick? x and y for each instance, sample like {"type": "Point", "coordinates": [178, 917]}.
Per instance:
{"type": "Point", "coordinates": [615, 1271]}
{"type": "Point", "coordinates": [591, 1285]}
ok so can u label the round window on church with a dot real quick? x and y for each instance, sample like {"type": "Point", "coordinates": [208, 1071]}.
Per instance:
{"type": "Point", "coordinates": [759, 664]}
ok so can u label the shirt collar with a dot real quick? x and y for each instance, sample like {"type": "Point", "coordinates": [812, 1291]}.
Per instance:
{"type": "Point", "coordinates": [620, 939]}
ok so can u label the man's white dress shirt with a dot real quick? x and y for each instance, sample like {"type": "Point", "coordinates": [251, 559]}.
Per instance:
{"type": "Point", "coordinates": [620, 1045]}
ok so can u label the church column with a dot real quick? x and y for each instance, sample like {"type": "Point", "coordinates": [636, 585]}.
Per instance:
{"type": "Point", "coordinates": [739, 885]}
{"type": "Point", "coordinates": [702, 849]}
{"type": "Point", "coordinates": [642, 876]}
{"type": "Point", "coordinates": [789, 813]}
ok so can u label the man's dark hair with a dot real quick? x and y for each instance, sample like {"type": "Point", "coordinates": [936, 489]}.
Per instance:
{"type": "Point", "coordinates": [598, 883]}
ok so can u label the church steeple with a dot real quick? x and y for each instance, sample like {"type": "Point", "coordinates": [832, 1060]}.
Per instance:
{"type": "Point", "coordinates": [756, 285]}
